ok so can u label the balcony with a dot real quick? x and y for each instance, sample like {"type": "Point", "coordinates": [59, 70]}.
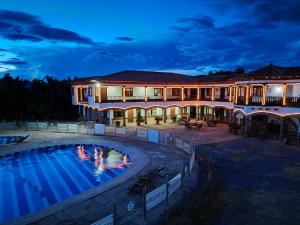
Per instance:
{"type": "Point", "coordinates": [293, 101]}
{"type": "Point", "coordinates": [173, 98]}
{"type": "Point", "coordinates": [223, 99]}
{"type": "Point", "coordinates": [205, 98]}
{"type": "Point", "coordinates": [135, 99]}
{"type": "Point", "coordinates": [255, 100]}
{"type": "Point", "coordinates": [112, 99]}
{"type": "Point", "coordinates": [274, 101]}
{"type": "Point", "coordinates": [241, 100]}
{"type": "Point", "coordinates": [155, 98]}
{"type": "Point", "coordinates": [84, 99]}
{"type": "Point", "coordinates": [190, 98]}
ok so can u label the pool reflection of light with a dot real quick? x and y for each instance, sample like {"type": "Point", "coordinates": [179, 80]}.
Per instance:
{"type": "Point", "coordinates": [82, 154]}
{"type": "Point", "coordinates": [99, 167]}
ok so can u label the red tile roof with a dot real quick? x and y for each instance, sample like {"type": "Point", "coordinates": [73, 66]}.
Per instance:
{"type": "Point", "coordinates": [269, 72]}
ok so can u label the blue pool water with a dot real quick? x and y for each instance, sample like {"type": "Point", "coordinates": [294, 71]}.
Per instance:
{"type": "Point", "coordinates": [35, 179]}
{"type": "Point", "coordinates": [8, 139]}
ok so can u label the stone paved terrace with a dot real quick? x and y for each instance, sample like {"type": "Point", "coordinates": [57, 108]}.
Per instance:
{"type": "Point", "coordinates": [206, 135]}
{"type": "Point", "coordinates": [86, 211]}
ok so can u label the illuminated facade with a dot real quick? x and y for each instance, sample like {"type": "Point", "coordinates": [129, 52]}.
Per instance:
{"type": "Point", "coordinates": [270, 93]}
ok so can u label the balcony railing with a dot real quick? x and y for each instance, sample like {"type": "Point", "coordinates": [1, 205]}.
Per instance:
{"type": "Point", "coordinates": [173, 98]}
{"type": "Point", "coordinates": [293, 101]}
{"type": "Point", "coordinates": [255, 100]}
{"type": "Point", "coordinates": [241, 100]}
{"type": "Point", "coordinates": [218, 99]}
{"type": "Point", "coordinates": [205, 98]}
{"type": "Point", "coordinates": [135, 98]}
{"type": "Point", "coordinates": [155, 98]}
{"type": "Point", "coordinates": [112, 99]}
{"type": "Point", "coordinates": [190, 98]}
{"type": "Point", "coordinates": [83, 99]}
{"type": "Point", "coordinates": [273, 101]}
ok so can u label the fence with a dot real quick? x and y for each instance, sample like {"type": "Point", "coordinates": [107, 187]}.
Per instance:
{"type": "Point", "coordinates": [156, 196]}
{"type": "Point", "coordinates": [92, 128]}
{"type": "Point", "coordinates": [150, 199]}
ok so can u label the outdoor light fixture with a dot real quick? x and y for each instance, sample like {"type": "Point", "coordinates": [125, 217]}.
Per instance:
{"type": "Point", "coordinates": [97, 84]}
{"type": "Point", "coordinates": [278, 89]}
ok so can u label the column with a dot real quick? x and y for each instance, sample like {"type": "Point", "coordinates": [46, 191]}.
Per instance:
{"type": "Point", "coordinates": [182, 94]}
{"type": "Point", "coordinates": [165, 115]}
{"type": "Point", "coordinates": [123, 94]}
{"type": "Point", "coordinates": [99, 94]}
{"type": "Point", "coordinates": [264, 94]}
{"type": "Point", "coordinates": [181, 111]}
{"type": "Point", "coordinates": [145, 116]}
{"type": "Point", "coordinates": [124, 117]}
{"type": "Point", "coordinates": [197, 112]}
{"type": "Point", "coordinates": [145, 95]}
{"type": "Point", "coordinates": [236, 93]}
{"type": "Point", "coordinates": [165, 94]}
{"type": "Point", "coordinates": [212, 93]}
{"type": "Point", "coordinates": [284, 94]}
{"type": "Point", "coordinates": [247, 95]}
{"type": "Point", "coordinates": [198, 94]}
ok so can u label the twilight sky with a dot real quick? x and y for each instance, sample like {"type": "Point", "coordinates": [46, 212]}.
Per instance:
{"type": "Point", "coordinates": [97, 37]}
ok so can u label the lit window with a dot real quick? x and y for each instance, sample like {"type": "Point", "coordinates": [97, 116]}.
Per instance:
{"type": "Point", "coordinates": [129, 92]}
{"type": "Point", "coordinates": [158, 92]}
{"type": "Point", "coordinates": [118, 113]}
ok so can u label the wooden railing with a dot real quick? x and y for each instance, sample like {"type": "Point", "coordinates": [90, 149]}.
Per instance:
{"type": "Point", "coordinates": [273, 101]}
{"type": "Point", "coordinates": [241, 100]}
{"type": "Point", "coordinates": [255, 100]}
{"type": "Point", "coordinates": [112, 99]}
{"type": "Point", "coordinates": [135, 98]}
{"type": "Point", "coordinates": [293, 101]}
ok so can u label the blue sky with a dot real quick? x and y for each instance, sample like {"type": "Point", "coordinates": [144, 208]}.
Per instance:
{"type": "Point", "coordinates": [83, 38]}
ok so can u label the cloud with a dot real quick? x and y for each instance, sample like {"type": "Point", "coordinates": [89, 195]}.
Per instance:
{"type": "Point", "coordinates": [124, 38]}
{"type": "Point", "coordinates": [17, 26]}
{"type": "Point", "coordinates": [3, 50]}
{"type": "Point", "coordinates": [22, 37]}
{"type": "Point", "coordinates": [14, 61]}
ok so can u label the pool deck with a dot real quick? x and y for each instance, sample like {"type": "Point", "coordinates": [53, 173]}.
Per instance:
{"type": "Point", "coordinates": [98, 202]}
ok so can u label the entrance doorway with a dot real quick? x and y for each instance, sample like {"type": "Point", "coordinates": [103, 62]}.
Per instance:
{"type": "Point", "coordinates": [193, 112]}
{"type": "Point", "coordinates": [130, 115]}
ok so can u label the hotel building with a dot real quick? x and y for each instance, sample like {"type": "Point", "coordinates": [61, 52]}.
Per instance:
{"type": "Point", "coordinates": [270, 95]}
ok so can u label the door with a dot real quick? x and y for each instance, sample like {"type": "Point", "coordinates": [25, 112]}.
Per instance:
{"type": "Point", "coordinates": [172, 112]}
{"type": "Point", "coordinates": [193, 111]}
{"type": "Point", "coordinates": [104, 94]}
{"type": "Point", "coordinates": [130, 115]}
{"type": "Point", "coordinates": [222, 93]}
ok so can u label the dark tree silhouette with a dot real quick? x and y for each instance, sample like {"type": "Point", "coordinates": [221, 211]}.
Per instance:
{"type": "Point", "coordinates": [238, 70]}
{"type": "Point", "coordinates": [47, 99]}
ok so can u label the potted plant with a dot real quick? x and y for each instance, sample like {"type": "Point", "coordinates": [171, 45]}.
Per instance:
{"type": "Point", "coordinates": [138, 119]}
{"type": "Point", "coordinates": [157, 119]}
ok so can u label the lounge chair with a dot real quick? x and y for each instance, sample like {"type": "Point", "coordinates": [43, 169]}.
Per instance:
{"type": "Point", "coordinates": [20, 139]}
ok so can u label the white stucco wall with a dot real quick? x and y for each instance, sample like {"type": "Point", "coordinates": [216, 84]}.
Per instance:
{"type": "Point", "coordinates": [293, 91]}
{"type": "Point", "coordinates": [114, 91]}
{"type": "Point", "coordinates": [274, 90]}
{"type": "Point", "coordinates": [139, 91]}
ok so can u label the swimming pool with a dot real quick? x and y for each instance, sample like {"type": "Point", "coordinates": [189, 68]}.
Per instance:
{"type": "Point", "coordinates": [35, 179]}
{"type": "Point", "coordinates": [11, 139]}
